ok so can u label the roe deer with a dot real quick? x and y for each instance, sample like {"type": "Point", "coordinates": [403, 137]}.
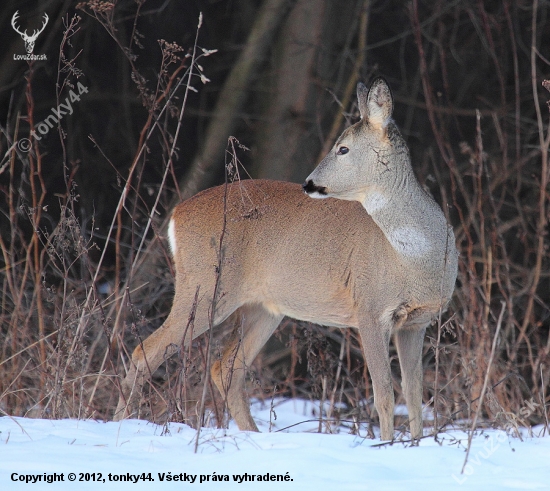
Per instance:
{"type": "Point", "coordinates": [381, 258]}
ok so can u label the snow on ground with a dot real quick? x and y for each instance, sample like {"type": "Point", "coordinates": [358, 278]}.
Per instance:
{"type": "Point", "coordinates": [101, 455]}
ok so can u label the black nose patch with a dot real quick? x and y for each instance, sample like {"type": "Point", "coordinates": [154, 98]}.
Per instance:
{"type": "Point", "coordinates": [310, 188]}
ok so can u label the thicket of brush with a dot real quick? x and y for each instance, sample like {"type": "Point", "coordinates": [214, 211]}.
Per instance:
{"type": "Point", "coordinates": [85, 272]}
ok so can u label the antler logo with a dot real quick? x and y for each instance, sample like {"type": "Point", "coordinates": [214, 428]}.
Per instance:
{"type": "Point", "coordinates": [29, 40]}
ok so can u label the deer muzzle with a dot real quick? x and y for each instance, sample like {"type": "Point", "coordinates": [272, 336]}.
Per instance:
{"type": "Point", "coordinates": [312, 189]}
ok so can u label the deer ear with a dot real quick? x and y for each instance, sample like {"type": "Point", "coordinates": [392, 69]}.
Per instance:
{"type": "Point", "coordinates": [362, 96]}
{"type": "Point", "coordinates": [375, 104]}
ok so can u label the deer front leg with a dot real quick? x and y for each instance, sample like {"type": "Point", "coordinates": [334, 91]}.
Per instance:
{"type": "Point", "coordinates": [375, 338]}
{"type": "Point", "coordinates": [409, 348]}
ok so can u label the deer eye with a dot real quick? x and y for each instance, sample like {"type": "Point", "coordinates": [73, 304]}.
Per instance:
{"type": "Point", "coordinates": [342, 150]}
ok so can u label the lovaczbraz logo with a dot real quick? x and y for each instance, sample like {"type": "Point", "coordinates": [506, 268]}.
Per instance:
{"type": "Point", "coordinates": [28, 39]}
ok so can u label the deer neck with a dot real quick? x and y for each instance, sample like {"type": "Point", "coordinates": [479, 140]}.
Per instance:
{"type": "Point", "coordinates": [410, 219]}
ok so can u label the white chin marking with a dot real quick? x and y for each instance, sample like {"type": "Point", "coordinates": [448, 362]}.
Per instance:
{"type": "Point", "coordinates": [409, 241]}
{"type": "Point", "coordinates": [172, 236]}
{"type": "Point", "coordinates": [374, 202]}
{"type": "Point", "coordinates": [317, 195]}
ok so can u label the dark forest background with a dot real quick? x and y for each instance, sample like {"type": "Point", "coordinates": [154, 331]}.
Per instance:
{"type": "Point", "coordinates": [85, 273]}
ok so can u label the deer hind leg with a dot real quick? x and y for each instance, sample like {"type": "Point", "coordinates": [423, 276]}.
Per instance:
{"type": "Point", "coordinates": [409, 348]}
{"type": "Point", "coordinates": [163, 343]}
{"type": "Point", "coordinates": [253, 327]}
{"type": "Point", "coordinates": [376, 341]}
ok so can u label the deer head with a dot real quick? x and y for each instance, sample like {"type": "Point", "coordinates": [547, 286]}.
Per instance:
{"type": "Point", "coordinates": [29, 40]}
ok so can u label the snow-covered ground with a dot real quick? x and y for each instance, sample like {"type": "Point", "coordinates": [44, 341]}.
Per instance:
{"type": "Point", "coordinates": [103, 456]}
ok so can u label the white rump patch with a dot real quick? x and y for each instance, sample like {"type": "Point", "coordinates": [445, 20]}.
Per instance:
{"type": "Point", "coordinates": [374, 202]}
{"type": "Point", "coordinates": [409, 241]}
{"type": "Point", "coordinates": [172, 236]}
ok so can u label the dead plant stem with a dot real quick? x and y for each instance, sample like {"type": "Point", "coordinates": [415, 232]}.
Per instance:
{"type": "Point", "coordinates": [484, 388]}
{"type": "Point", "coordinates": [542, 222]}
{"type": "Point", "coordinates": [212, 310]}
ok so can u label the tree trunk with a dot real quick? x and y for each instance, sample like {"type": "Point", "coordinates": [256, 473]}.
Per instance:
{"type": "Point", "coordinates": [233, 95]}
{"type": "Point", "coordinates": [280, 142]}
